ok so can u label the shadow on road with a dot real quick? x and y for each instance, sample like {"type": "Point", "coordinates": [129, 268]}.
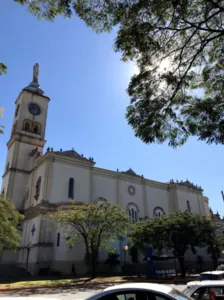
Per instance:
{"type": "Point", "coordinates": [48, 291]}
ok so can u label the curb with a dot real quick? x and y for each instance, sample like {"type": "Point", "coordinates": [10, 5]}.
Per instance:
{"type": "Point", "coordinates": [35, 287]}
{"type": "Point", "coordinates": [56, 286]}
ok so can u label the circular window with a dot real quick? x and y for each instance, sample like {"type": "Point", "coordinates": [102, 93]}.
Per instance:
{"type": "Point", "coordinates": [131, 190]}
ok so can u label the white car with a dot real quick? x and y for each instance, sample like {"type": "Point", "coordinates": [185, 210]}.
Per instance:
{"type": "Point", "coordinates": [212, 275]}
{"type": "Point", "coordinates": [140, 291]}
{"type": "Point", "coordinates": [202, 290]}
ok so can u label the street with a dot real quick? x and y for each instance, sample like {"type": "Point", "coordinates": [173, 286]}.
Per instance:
{"type": "Point", "coordinates": [59, 294]}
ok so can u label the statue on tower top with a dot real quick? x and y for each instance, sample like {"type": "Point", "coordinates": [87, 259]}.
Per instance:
{"type": "Point", "coordinates": [35, 73]}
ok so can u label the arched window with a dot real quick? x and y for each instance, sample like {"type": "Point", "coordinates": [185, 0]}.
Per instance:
{"type": "Point", "coordinates": [38, 185]}
{"type": "Point", "coordinates": [133, 211]}
{"type": "Point", "coordinates": [36, 128]}
{"type": "Point", "coordinates": [158, 212]}
{"type": "Point", "coordinates": [27, 125]}
{"type": "Point", "coordinates": [3, 192]}
{"type": "Point", "coordinates": [58, 239]}
{"type": "Point", "coordinates": [71, 188]}
{"type": "Point", "coordinates": [101, 201]}
{"type": "Point", "coordinates": [188, 206]}
{"type": "Point", "coordinates": [17, 110]}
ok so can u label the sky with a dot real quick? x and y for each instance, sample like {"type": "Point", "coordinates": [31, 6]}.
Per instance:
{"type": "Point", "coordinates": [86, 81]}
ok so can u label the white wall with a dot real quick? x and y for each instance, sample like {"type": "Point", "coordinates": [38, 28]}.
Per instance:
{"type": "Point", "coordinates": [19, 189]}
{"type": "Point", "coordinates": [192, 197]}
{"type": "Point", "coordinates": [5, 183]}
{"type": "Point", "coordinates": [125, 197]}
{"type": "Point", "coordinates": [29, 239]}
{"type": "Point", "coordinates": [156, 197]}
{"type": "Point", "coordinates": [105, 187]}
{"type": "Point", "coordinates": [24, 159]}
{"type": "Point", "coordinates": [9, 156]}
{"type": "Point", "coordinates": [61, 172]}
{"type": "Point", "coordinates": [63, 252]}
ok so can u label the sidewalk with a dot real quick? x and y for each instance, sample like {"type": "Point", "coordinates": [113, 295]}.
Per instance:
{"type": "Point", "coordinates": [33, 285]}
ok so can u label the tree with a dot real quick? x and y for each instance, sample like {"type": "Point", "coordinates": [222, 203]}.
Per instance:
{"type": "Point", "coordinates": [9, 221]}
{"type": "Point", "coordinates": [3, 68]}
{"type": "Point", "coordinates": [179, 231]}
{"type": "Point", "coordinates": [97, 225]}
{"type": "Point", "coordinates": [215, 248]}
{"type": "Point", "coordinates": [1, 126]}
{"type": "Point", "coordinates": [178, 47]}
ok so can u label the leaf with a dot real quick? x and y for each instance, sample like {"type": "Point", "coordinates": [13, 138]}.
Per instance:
{"type": "Point", "coordinates": [97, 225]}
{"type": "Point", "coordinates": [9, 221]}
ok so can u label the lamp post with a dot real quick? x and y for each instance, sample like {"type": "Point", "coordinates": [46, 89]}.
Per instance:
{"type": "Point", "coordinates": [125, 249]}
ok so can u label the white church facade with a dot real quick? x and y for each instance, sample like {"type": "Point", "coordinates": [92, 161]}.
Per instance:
{"type": "Point", "coordinates": [38, 181]}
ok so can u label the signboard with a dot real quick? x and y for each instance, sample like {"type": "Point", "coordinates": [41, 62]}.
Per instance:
{"type": "Point", "coordinates": [149, 263]}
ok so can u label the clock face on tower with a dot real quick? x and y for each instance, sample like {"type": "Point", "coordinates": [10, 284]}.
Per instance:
{"type": "Point", "coordinates": [34, 108]}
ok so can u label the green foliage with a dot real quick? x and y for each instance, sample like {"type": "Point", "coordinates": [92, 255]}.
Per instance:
{"type": "Point", "coordinates": [179, 231]}
{"type": "Point", "coordinates": [97, 224]}
{"type": "Point", "coordinates": [3, 68]}
{"type": "Point", "coordinates": [216, 247]}
{"type": "Point", "coordinates": [48, 9]}
{"type": "Point", "coordinates": [9, 221]}
{"type": "Point", "coordinates": [1, 126]}
{"type": "Point", "coordinates": [178, 47]}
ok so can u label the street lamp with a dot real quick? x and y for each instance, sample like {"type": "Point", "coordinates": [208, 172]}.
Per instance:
{"type": "Point", "coordinates": [125, 249]}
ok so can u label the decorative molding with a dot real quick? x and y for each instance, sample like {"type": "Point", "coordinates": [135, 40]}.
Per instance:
{"type": "Point", "coordinates": [45, 245]}
{"type": "Point", "coordinates": [160, 209]}
{"type": "Point", "coordinates": [15, 170]}
{"type": "Point", "coordinates": [132, 204]}
{"type": "Point", "coordinates": [131, 190]}
{"type": "Point", "coordinates": [28, 138]}
{"type": "Point", "coordinates": [45, 207]}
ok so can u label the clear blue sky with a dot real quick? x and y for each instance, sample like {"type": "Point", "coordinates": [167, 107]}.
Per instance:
{"type": "Point", "coordinates": [86, 82]}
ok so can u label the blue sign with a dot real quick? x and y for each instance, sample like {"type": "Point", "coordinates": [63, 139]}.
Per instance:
{"type": "Point", "coordinates": [149, 263]}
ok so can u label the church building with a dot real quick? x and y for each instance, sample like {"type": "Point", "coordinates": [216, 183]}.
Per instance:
{"type": "Point", "coordinates": [38, 181]}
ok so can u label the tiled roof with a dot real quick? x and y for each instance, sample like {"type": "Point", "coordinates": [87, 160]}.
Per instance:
{"type": "Point", "coordinates": [73, 154]}
{"type": "Point", "coordinates": [130, 172]}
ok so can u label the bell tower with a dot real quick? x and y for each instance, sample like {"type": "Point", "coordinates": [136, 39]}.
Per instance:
{"type": "Point", "coordinates": [27, 137]}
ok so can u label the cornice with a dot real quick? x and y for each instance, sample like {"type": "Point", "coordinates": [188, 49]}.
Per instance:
{"type": "Point", "coordinates": [188, 189]}
{"type": "Point", "coordinates": [45, 207]}
{"type": "Point", "coordinates": [44, 245]}
{"type": "Point", "coordinates": [15, 170]}
{"type": "Point", "coordinates": [27, 138]}
{"type": "Point", "coordinates": [65, 159]}
{"type": "Point", "coordinates": [24, 91]}
{"type": "Point", "coordinates": [129, 178]}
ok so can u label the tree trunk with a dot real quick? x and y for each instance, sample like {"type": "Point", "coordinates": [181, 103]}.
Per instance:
{"type": "Point", "coordinates": [94, 261]}
{"type": "Point", "coordinates": [182, 266]}
{"type": "Point", "coordinates": [93, 267]}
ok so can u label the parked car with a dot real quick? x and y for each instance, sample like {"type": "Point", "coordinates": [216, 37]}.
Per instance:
{"type": "Point", "coordinates": [140, 291]}
{"type": "Point", "coordinates": [205, 290]}
{"type": "Point", "coordinates": [212, 275]}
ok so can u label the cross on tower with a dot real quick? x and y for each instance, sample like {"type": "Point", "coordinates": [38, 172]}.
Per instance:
{"type": "Point", "coordinates": [33, 229]}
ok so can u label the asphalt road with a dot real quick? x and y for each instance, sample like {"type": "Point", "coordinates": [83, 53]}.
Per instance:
{"type": "Point", "coordinates": [57, 294]}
